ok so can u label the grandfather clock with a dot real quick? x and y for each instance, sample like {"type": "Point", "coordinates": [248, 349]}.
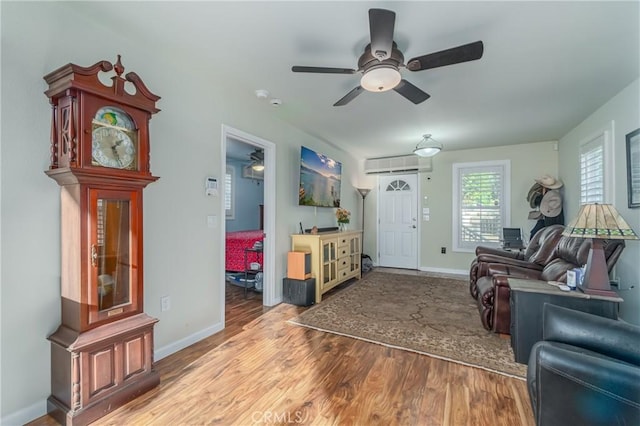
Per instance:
{"type": "Point", "coordinates": [102, 353]}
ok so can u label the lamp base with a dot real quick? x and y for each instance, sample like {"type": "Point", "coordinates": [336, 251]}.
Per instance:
{"type": "Point", "coordinates": [597, 292]}
{"type": "Point", "coordinates": [596, 276]}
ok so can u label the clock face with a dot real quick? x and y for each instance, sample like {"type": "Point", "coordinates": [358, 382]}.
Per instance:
{"type": "Point", "coordinates": [112, 147]}
{"type": "Point", "coordinates": [114, 139]}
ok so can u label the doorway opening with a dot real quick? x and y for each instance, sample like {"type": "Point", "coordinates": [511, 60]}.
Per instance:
{"type": "Point", "coordinates": [248, 164]}
{"type": "Point", "coordinates": [398, 221]}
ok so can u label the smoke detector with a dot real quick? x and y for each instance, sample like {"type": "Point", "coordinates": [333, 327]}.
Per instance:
{"type": "Point", "coordinates": [262, 94]}
{"type": "Point", "coordinates": [275, 102]}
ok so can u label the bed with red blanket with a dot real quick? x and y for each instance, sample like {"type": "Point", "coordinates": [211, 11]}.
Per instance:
{"type": "Point", "coordinates": [236, 243]}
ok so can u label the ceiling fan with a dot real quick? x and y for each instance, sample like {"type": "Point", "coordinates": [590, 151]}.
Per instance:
{"type": "Point", "coordinates": [381, 61]}
{"type": "Point", "coordinates": [257, 160]}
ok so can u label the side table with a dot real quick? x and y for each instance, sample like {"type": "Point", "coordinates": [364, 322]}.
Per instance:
{"type": "Point", "coordinates": [527, 301]}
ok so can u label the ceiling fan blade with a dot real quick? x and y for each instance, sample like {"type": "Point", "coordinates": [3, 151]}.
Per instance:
{"type": "Point", "coordinates": [455, 55]}
{"type": "Point", "coordinates": [381, 23]}
{"type": "Point", "coordinates": [349, 96]}
{"type": "Point", "coordinates": [411, 92]}
{"type": "Point", "coordinates": [324, 70]}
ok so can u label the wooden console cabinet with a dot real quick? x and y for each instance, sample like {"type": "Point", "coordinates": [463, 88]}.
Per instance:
{"type": "Point", "coordinates": [335, 257]}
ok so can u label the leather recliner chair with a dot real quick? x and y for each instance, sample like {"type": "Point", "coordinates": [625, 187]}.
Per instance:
{"type": "Point", "coordinates": [494, 291]}
{"type": "Point", "coordinates": [585, 371]}
{"type": "Point", "coordinates": [539, 252]}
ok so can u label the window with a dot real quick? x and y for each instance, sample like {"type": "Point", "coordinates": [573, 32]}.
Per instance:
{"type": "Point", "coordinates": [595, 176]}
{"type": "Point", "coordinates": [229, 196]}
{"type": "Point", "coordinates": [398, 185]}
{"type": "Point", "coordinates": [480, 203]}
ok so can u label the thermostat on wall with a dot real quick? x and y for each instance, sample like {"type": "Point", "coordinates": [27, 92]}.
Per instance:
{"type": "Point", "coordinates": [211, 186]}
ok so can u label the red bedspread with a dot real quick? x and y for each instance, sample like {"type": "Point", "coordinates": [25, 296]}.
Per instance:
{"type": "Point", "coordinates": [236, 243]}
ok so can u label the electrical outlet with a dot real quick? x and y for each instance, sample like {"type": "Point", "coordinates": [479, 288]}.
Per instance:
{"type": "Point", "coordinates": [165, 303]}
{"type": "Point", "coordinates": [443, 250]}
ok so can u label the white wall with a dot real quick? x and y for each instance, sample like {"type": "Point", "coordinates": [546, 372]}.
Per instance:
{"type": "Point", "coordinates": [624, 111]}
{"type": "Point", "coordinates": [182, 255]}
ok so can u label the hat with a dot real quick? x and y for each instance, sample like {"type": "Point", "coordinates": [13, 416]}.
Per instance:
{"type": "Point", "coordinates": [551, 204]}
{"type": "Point", "coordinates": [535, 195]}
{"type": "Point", "coordinates": [549, 182]}
{"type": "Point", "coordinates": [534, 214]}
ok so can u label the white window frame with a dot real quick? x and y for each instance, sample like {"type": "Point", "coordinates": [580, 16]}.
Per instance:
{"type": "Point", "coordinates": [604, 139]}
{"type": "Point", "coordinates": [459, 169]}
{"type": "Point", "coordinates": [230, 192]}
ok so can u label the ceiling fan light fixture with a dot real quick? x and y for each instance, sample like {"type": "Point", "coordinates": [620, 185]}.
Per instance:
{"type": "Point", "coordinates": [380, 79]}
{"type": "Point", "coordinates": [427, 147]}
{"type": "Point", "coordinates": [258, 167]}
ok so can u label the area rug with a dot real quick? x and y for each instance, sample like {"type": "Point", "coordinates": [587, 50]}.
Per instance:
{"type": "Point", "coordinates": [427, 315]}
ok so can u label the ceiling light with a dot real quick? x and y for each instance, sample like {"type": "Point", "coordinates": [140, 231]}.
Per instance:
{"type": "Point", "coordinates": [380, 79]}
{"type": "Point", "coordinates": [427, 147]}
{"type": "Point", "coordinates": [258, 167]}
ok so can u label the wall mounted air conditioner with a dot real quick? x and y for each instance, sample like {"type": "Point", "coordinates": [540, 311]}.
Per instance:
{"type": "Point", "coordinates": [249, 173]}
{"type": "Point", "coordinates": [398, 164]}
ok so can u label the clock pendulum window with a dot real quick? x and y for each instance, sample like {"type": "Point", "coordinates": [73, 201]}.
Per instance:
{"type": "Point", "coordinates": [102, 352]}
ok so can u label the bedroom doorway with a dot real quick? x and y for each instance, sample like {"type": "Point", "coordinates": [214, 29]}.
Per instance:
{"type": "Point", "coordinates": [252, 207]}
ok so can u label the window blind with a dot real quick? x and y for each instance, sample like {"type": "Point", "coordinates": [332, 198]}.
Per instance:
{"type": "Point", "coordinates": [481, 204]}
{"type": "Point", "coordinates": [228, 193]}
{"type": "Point", "coordinates": [592, 171]}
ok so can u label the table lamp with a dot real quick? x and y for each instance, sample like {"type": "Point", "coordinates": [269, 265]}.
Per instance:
{"type": "Point", "coordinates": [598, 222]}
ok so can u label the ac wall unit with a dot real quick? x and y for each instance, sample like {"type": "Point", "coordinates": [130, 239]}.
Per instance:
{"type": "Point", "coordinates": [398, 164]}
{"type": "Point", "coordinates": [249, 173]}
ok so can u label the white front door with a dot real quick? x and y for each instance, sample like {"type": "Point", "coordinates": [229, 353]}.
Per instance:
{"type": "Point", "coordinates": [398, 225]}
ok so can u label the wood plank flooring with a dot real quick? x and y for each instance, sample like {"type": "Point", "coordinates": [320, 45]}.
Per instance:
{"type": "Point", "coordinates": [263, 370]}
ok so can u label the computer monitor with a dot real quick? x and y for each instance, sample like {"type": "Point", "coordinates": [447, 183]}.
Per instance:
{"type": "Point", "coordinates": [512, 238]}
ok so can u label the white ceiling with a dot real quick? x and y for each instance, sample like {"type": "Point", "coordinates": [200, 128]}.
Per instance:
{"type": "Point", "coordinates": [546, 65]}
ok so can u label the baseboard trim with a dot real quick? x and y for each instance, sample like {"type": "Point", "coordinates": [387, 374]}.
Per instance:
{"type": "Point", "coordinates": [444, 270]}
{"type": "Point", "coordinates": [463, 272]}
{"type": "Point", "coordinates": [26, 414]}
{"type": "Point", "coordinates": [178, 345]}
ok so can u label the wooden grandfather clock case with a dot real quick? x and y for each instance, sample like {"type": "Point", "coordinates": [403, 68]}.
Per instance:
{"type": "Point", "coordinates": [102, 353]}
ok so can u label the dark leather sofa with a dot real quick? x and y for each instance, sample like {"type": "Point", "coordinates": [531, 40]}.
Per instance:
{"type": "Point", "coordinates": [538, 253]}
{"type": "Point", "coordinates": [494, 291]}
{"type": "Point", "coordinates": [585, 371]}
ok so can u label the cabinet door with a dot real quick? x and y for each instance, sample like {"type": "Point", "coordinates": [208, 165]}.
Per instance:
{"type": "Point", "coordinates": [115, 272]}
{"type": "Point", "coordinates": [355, 252]}
{"type": "Point", "coordinates": [329, 267]}
{"type": "Point", "coordinates": [118, 360]}
{"type": "Point", "coordinates": [354, 245]}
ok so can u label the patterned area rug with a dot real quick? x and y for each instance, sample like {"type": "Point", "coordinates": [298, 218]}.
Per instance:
{"type": "Point", "coordinates": [428, 315]}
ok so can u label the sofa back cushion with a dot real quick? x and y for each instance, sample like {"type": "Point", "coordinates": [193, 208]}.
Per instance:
{"type": "Point", "coordinates": [541, 248]}
{"type": "Point", "coordinates": [570, 253]}
{"type": "Point", "coordinates": [612, 250]}
{"type": "Point", "coordinates": [574, 253]}
{"type": "Point", "coordinates": [574, 250]}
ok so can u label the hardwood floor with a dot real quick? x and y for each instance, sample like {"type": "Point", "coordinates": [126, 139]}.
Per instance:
{"type": "Point", "coordinates": [263, 370]}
